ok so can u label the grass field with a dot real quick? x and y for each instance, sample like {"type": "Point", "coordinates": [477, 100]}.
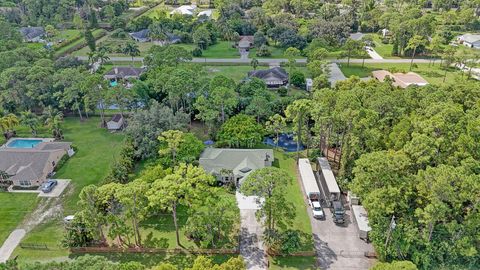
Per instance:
{"type": "Point", "coordinates": [13, 208]}
{"type": "Point", "coordinates": [433, 74]}
{"type": "Point", "coordinates": [277, 52]}
{"type": "Point", "coordinates": [222, 49]}
{"type": "Point", "coordinates": [292, 263]}
{"type": "Point", "coordinates": [385, 50]}
{"type": "Point", "coordinates": [295, 196]}
{"type": "Point", "coordinates": [96, 33]}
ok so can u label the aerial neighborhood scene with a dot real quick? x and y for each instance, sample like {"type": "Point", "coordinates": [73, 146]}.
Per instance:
{"type": "Point", "coordinates": [239, 134]}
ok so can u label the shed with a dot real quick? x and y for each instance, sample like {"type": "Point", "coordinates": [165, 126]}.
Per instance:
{"type": "Point", "coordinates": [115, 123]}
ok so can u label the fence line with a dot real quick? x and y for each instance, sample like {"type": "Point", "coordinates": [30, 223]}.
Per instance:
{"type": "Point", "coordinates": [152, 250]}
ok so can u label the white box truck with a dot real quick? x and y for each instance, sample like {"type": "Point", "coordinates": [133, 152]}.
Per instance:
{"type": "Point", "coordinates": [312, 192]}
{"type": "Point", "coordinates": [361, 219]}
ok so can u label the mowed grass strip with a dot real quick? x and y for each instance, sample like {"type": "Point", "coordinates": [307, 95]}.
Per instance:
{"type": "Point", "coordinates": [13, 208]}
{"type": "Point", "coordinates": [96, 151]}
{"type": "Point", "coordinates": [294, 195]}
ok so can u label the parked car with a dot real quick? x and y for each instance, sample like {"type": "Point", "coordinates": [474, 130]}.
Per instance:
{"type": "Point", "coordinates": [317, 210]}
{"type": "Point", "coordinates": [68, 219]}
{"type": "Point", "coordinates": [49, 185]}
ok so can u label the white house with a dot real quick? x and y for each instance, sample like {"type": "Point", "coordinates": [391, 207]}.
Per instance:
{"type": "Point", "coordinates": [470, 40]}
{"type": "Point", "coordinates": [208, 13]}
{"type": "Point", "coordinates": [184, 10]}
{"type": "Point", "coordinates": [115, 123]}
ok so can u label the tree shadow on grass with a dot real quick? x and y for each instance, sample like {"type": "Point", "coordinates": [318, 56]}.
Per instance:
{"type": "Point", "coordinates": [153, 242]}
{"type": "Point", "coordinates": [163, 222]}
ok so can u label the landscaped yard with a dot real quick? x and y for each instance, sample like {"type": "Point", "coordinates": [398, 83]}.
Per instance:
{"type": "Point", "coordinates": [96, 151]}
{"type": "Point", "coordinates": [385, 50]}
{"type": "Point", "coordinates": [13, 208]}
{"type": "Point", "coordinates": [222, 49]}
{"type": "Point", "coordinates": [433, 74]}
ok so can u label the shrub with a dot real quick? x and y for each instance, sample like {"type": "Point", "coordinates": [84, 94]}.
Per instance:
{"type": "Point", "coordinates": [282, 91]}
{"type": "Point", "coordinates": [197, 52]}
{"type": "Point", "coordinates": [263, 51]}
{"type": "Point", "coordinates": [119, 33]}
{"type": "Point", "coordinates": [297, 78]}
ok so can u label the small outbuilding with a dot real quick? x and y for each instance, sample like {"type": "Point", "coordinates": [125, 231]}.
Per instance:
{"type": "Point", "coordinates": [308, 84]}
{"type": "Point", "coordinates": [115, 123]}
{"type": "Point", "coordinates": [245, 43]}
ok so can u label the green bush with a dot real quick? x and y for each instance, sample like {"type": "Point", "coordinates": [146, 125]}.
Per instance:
{"type": "Point", "coordinates": [282, 91]}
{"type": "Point", "coordinates": [197, 52]}
{"type": "Point", "coordinates": [263, 51]}
{"type": "Point", "coordinates": [297, 78]}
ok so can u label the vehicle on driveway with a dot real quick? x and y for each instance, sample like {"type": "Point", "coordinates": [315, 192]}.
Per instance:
{"type": "Point", "coordinates": [317, 210]}
{"type": "Point", "coordinates": [312, 192]}
{"type": "Point", "coordinates": [49, 185]}
{"type": "Point", "coordinates": [338, 212]}
{"type": "Point", "coordinates": [68, 219]}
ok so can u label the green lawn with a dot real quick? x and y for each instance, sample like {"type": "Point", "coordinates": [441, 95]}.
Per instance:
{"type": "Point", "coordinates": [13, 208]}
{"type": "Point", "coordinates": [292, 263]}
{"type": "Point", "coordinates": [385, 50]}
{"type": "Point", "coordinates": [96, 33]}
{"type": "Point", "coordinates": [277, 52]}
{"type": "Point", "coordinates": [295, 196]}
{"type": "Point", "coordinates": [433, 74]}
{"type": "Point", "coordinates": [222, 49]}
{"type": "Point", "coordinates": [67, 34]}
{"type": "Point", "coordinates": [96, 151]}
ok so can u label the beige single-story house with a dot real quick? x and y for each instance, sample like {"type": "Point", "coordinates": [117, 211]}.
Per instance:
{"type": "Point", "coordinates": [240, 162]}
{"type": "Point", "coordinates": [245, 43]}
{"type": "Point", "coordinates": [402, 80]}
{"type": "Point", "coordinates": [28, 167]}
{"type": "Point", "coordinates": [123, 73]}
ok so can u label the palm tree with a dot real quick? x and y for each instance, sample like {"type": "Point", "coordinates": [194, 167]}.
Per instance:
{"type": "Point", "coordinates": [30, 119]}
{"type": "Point", "coordinates": [131, 49]}
{"type": "Point", "coordinates": [92, 57]}
{"type": "Point", "coordinates": [7, 123]}
{"type": "Point", "coordinates": [102, 55]}
{"type": "Point", "coordinates": [53, 120]}
{"type": "Point", "coordinates": [415, 42]}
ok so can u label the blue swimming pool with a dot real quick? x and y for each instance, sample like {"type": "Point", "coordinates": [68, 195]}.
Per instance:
{"type": "Point", "coordinates": [285, 141]}
{"type": "Point", "coordinates": [23, 143]}
{"type": "Point", "coordinates": [113, 83]}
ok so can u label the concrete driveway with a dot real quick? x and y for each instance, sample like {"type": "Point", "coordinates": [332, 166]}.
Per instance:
{"type": "Point", "coordinates": [10, 244]}
{"type": "Point", "coordinates": [57, 190]}
{"type": "Point", "coordinates": [251, 234]}
{"type": "Point", "coordinates": [335, 74]}
{"type": "Point", "coordinates": [373, 54]}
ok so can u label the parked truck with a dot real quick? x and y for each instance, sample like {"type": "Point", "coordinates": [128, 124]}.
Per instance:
{"type": "Point", "coordinates": [312, 192]}
{"type": "Point", "coordinates": [361, 219]}
{"type": "Point", "coordinates": [338, 212]}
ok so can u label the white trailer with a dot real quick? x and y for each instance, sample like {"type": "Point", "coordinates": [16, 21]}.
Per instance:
{"type": "Point", "coordinates": [361, 219]}
{"type": "Point", "coordinates": [327, 180]}
{"type": "Point", "coordinates": [310, 186]}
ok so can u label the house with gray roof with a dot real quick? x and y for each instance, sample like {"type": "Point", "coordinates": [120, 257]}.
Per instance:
{"type": "Point", "coordinates": [123, 73]}
{"type": "Point", "coordinates": [470, 40]}
{"type": "Point", "coordinates": [141, 36]}
{"type": "Point", "coordinates": [273, 77]}
{"type": "Point", "coordinates": [32, 34]}
{"type": "Point", "coordinates": [29, 167]}
{"type": "Point", "coordinates": [238, 162]}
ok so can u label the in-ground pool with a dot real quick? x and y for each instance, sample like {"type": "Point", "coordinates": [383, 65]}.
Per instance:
{"type": "Point", "coordinates": [285, 141]}
{"type": "Point", "coordinates": [113, 83]}
{"type": "Point", "coordinates": [23, 143]}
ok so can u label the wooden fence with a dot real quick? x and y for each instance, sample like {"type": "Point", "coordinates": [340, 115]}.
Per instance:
{"type": "Point", "coordinates": [153, 250]}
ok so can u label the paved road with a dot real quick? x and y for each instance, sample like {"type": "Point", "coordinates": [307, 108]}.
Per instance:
{"type": "Point", "coordinates": [335, 74]}
{"type": "Point", "coordinates": [251, 234]}
{"type": "Point", "coordinates": [373, 54]}
{"type": "Point", "coordinates": [268, 61]}
{"type": "Point", "coordinates": [10, 244]}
